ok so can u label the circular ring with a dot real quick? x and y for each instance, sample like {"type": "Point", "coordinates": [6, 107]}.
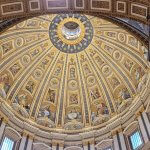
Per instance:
{"type": "Point", "coordinates": [71, 42]}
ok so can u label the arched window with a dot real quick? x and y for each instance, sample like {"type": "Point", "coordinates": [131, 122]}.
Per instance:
{"type": "Point", "coordinates": [135, 140]}
{"type": "Point", "coordinates": [10, 139]}
{"type": "Point", "coordinates": [41, 146]}
{"type": "Point", "coordinates": [133, 136]}
{"type": "Point", "coordinates": [7, 144]}
{"type": "Point", "coordinates": [106, 144]}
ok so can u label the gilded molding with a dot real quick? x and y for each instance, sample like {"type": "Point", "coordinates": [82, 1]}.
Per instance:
{"type": "Point", "coordinates": [139, 112]}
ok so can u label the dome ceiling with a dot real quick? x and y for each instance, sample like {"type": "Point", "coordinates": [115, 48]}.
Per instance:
{"type": "Point", "coordinates": [69, 72]}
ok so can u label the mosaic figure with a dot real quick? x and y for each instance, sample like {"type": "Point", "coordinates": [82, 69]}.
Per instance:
{"type": "Point", "coordinates": [4, 85]}
{"type": "Point", "coordinates": [27, 107]}
{"type": "Point", "coordinates": [51, 95]}
{"type": "Point", "coordinates": [93, 116]}
{"type": "Point", "coordinates": [138, 73]}
{"type": "Point", "coordinates": [128, 64]}
{"type": "Point", "coordinates": [141, 85]}
{"type": "Point", "coordinates": [21, 105]}
{"type": "Point", "coordinates": [124, 94]}
{"type": "Point", "coordinates": [30, 86]}
{"type": "Point", "coordinates": [145, 52]}
{"type": "Point", "coordinates": [74, 115]}
{"type": "Point", "coordinates": [22, 100]}
{"type": "Point", "coordinates": [15, 69]}
{"type": "Point", "coordinates": [47, 113]}
{"type": "Point", "coordinates": [114, 82]}
{"type": "Point", "coordinates": [102, 109]}
{"type": "Point", "coordinates": [95, 94]}
{"type": "Point", "coordinates": [2, 91]}
{"type": "Point", "coordinates": [7, 47]}
{"type": "Point", "coordinates": [44, 113]}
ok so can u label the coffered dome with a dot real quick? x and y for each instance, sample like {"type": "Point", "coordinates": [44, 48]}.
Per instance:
{"type": "Point", "coordinates": [70, 72]}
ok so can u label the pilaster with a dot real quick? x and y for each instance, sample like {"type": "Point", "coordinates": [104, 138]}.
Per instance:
{"type": "Point", "coordinates": [23, 140]}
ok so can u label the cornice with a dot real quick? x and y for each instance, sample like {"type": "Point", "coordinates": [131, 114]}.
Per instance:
{"type": "Point", "coordinates": [135, 9]}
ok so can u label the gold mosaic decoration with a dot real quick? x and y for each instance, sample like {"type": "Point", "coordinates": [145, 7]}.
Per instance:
{"type": "Point", "coordinates": [69, 91]}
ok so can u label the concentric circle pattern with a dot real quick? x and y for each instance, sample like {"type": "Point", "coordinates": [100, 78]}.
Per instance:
{"type": "Point", "coordinates": [67, 85]}
{"type": "Point", "coordinates": [80, 42]}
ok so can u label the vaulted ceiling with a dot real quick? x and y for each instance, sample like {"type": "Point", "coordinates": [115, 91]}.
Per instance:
{"type": "Point", "coordinates": [73, 76]}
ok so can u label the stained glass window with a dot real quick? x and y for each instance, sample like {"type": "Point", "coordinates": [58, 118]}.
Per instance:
{"type": "Point", "coordinates": [7, 144]}
{"type": "Point", "coordinates": [136, 140]}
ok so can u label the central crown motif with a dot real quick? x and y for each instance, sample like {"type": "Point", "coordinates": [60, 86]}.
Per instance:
{"type": "Point", "coordinates": [71, 33]}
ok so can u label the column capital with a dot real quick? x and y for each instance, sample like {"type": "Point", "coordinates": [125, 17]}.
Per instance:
{"type": "Point", "coordinates": [139, 111]}
{"type": "Point", "coordinates": [142, 109]}
{"type": "Point", "coordinates": [85, 142]}
{"type": "Point", "coordinates": [31, 137]}
{"type": "Point", "coordinates": [61, 144]}
{"type": "Point", "coordinates": [120, 130]}
{"type": "Point", "coordinates": [2, 115]}
{"type": "Point", "coordinates": [5, 120]}
{"type": "Point", "coordinates": [92, 141]}
{"type": "Point", "coordinates": [115, 131]}
{"type": "Point", "coordinates": [25, 133]}
{"type": "Point", "coordinates": [55, 142]}
{"type": "Point", "coordinates": [137, 114]}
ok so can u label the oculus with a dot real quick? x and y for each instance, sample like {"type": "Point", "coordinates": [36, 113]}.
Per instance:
{"type": "Point", "coordinates": [71, 30]}
{"type": "Point", "coordinates": [71, 33]}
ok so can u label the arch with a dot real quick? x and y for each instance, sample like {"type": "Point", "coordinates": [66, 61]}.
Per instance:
{"type": "Point", "coordinates": [104, 144]}
{"type": "Point", "coordinates": [132, 126]}
{"type": "Point", "coordinates": [12, 133]}
{"type": "Point", "coordinates": [73, 148]}
{"type": "Point", "coordinates": [41, 146]}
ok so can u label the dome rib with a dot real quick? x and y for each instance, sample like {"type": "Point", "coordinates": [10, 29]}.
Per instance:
{"type": "Point", "coordinates": [72, 82]}
{"type": "Point", "coordinates": [24, 75]}
{"type": "Point", "coordinates": [109, 97]}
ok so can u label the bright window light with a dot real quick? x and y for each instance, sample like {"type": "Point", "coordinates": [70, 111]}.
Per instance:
{"type": "Point", "coordinates": [136, 140]}
{"type": "Point", "coordinates": [7, 144]}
